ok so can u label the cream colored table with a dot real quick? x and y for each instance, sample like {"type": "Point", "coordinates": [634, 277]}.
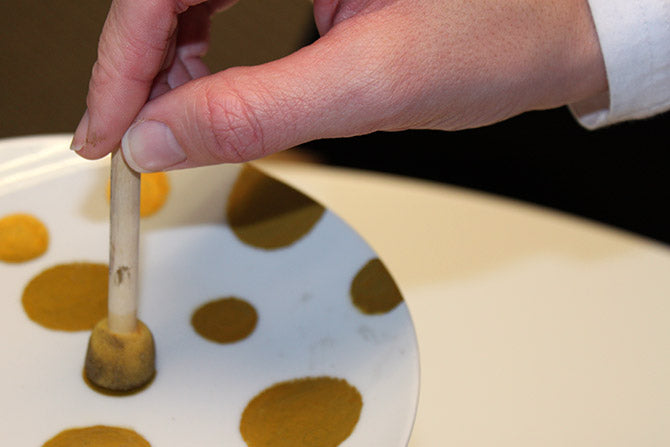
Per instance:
{"type": "Point", "coordinates": [535, 328]}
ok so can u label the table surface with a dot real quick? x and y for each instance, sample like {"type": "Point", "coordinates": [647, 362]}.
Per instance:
{"type": "Point", "coordinates": [534, 327]}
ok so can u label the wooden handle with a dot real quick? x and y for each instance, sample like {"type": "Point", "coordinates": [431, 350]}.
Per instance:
{"type": "Point", "coordinates": [124, 246]}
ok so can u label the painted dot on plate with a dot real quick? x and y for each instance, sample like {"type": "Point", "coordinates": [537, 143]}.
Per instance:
{"type": "Point", "coordinates": [68, 297]}
{"type": "Point", "coordinates": [266, 213]}
{"type": "Point", "coordinates": [97, 436]}
{"type": "Point", "coordinates": [154, 190]}
{"type": "Point", "coordinates": [373, 290]}
{"type": "Point", "coordinates": [225, 320]}
{"type": "Point", "coordinates": [22, 237]}
{"type": "Point", "coordinates": [305, 412]}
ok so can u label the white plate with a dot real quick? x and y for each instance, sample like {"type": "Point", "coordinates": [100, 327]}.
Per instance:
{"type": "Point", "coordinates": [307, 324]}
{"type": "Point", "coordinates": [535, 328]}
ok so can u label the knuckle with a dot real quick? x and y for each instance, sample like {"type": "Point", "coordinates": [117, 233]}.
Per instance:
{"type": "Point", "coordinates": [101, 77]}
{"type": "Point", "coordinates": [235, 133]}
{"type": "Point", "coordinates": [108, 71]}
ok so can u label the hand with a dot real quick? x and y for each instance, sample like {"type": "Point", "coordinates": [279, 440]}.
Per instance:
{"type": "Point", "coordinates": [378, 65]}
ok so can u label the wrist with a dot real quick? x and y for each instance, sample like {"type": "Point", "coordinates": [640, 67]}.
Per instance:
{"type": "Point", "coordinates": [574, 68]}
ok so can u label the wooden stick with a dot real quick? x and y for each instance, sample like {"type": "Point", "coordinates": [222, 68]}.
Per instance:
{"type": "Point", "coordinates": [124, 246]}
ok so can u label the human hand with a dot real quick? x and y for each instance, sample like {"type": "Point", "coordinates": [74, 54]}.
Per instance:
{"type": "Point", "coordinates": [378, 65]}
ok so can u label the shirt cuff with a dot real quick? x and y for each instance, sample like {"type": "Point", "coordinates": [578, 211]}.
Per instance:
{"type": "Point", "coordinates": [634, 38]}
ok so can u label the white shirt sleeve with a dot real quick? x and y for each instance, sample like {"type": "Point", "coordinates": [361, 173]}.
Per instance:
{"type": "Point", "coordinates": [635, 40]}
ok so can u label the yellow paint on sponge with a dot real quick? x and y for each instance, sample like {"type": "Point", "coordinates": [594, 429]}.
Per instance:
{"type": "Point", "coordinates": [120, 362]}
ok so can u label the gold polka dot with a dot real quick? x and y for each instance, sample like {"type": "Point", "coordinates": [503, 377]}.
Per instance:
{"type": "Point", "coordinates": [267, 213]}
{"type": "Point", "coordinates": [373, 291]}
{"type": "Point", "coordinates": [97, 436]}
{"type": "Point", "coordinates": [225, 320]}
{"type": "Point", "coordinates": [154, 190]}
{"type": "Point", "coordinates": [22, 237]}
{"type": "Point", "coordinates": [68, 297]}
{"type": "Point", "coordinates": [153, 193]}
{"type": "Point", "coordinates": [307, 412]}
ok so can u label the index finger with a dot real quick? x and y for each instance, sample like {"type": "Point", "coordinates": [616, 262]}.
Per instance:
{"type": "Point", "coordinates": [133, 47]}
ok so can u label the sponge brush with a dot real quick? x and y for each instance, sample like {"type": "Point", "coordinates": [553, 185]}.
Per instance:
{"type": "Point", "coordinates": [120, 361]}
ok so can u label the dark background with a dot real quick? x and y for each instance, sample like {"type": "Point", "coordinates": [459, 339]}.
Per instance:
{"type": "Point", "coordinates": [617, 175]}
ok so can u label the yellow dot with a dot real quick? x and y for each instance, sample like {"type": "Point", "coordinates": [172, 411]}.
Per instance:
{"type": "Point", "coordinates": [22, 237]}
{"type": "Point", "coordinates": [225, 320]}
{"type": "Point", "coordinates": [266, 213]}
{"type": "Point", "coordinates": [154, 190]}
{"type": "Point", "coordinates": [373, 291]}
{"type": "Point", "coordinates": [307, 412]}
{"type": "Point", "coordinates": [68, 297]}
{"type": "Point", "coordinates": [97, 436]}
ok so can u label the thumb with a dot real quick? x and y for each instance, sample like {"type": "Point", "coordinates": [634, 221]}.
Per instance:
{"type": "Point", "coordinates": [328, 89]}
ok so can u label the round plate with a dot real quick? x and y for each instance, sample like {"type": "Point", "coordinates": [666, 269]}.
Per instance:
{"type": "Point", "coordinates": [307, 324]}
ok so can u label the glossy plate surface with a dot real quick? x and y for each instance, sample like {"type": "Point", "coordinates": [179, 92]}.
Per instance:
{"type": "Point", "coordinates": [307, 323]}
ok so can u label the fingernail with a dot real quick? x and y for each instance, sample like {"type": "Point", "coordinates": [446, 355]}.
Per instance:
{"type": "Point", "coordinates": [79, 138]}
{"type": "Point", "coordinates": [150, 146]}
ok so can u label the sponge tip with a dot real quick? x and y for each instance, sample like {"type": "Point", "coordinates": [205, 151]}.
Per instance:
{"type": "Point", "coordinates": [120, 361]}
